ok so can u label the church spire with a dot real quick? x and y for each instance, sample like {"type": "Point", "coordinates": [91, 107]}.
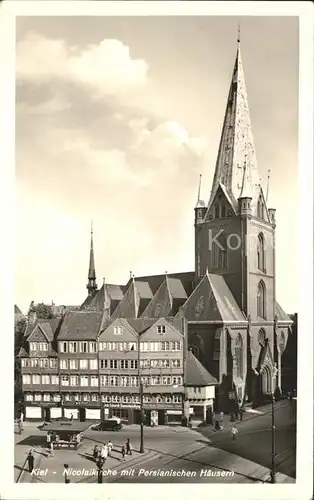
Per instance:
{"type": "Point", "coordinates": [91, 285]}
{"type": "Point", "coordinates": [236, 143]}
{"type": "Point", "coordinates": [199, 202]}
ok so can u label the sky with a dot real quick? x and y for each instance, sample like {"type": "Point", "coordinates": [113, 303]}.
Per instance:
{"type": "Point", "coordinates": [116, 117]}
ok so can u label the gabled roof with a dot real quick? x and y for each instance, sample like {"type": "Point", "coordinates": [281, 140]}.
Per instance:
{"type": "Point", "coordinates": [167, 300]}
{"type": "Point", "coordinates": [97, 299]}
{"type": "Point", "coordinates": [22, 353]}
{"type": "Point", "coordinates": [186, 278]}
{"type": "Point", "coordinates": [129, 305]}
{"type": "Point", "coordinates": [196, 373]}
{"type": "Point", "coordinates": [134, 301]}
{"type": "Point", "coordinates": [281, 315]}
{"type": "Point", "coordinates": [49, 327]}
{"type": "Point", "coordinates": [211, 301]}
{"type": "Point", "coordinates": [79, 325]}
{"type": "Point", "coordinates": [141, 325]}
{"type": "Point", "coordinates": [17, 310]}
{"type": "Point", "coordinates": [88, 299]}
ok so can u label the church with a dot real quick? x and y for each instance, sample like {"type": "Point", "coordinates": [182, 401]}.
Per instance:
{"type": "Point", "coordinates": [236, 328]}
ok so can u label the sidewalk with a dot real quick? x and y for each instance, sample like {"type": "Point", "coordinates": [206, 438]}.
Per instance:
{"type": "Point", "coordinates": [81, 463]}
{"type": "Point", "coordinates": [247, 415]}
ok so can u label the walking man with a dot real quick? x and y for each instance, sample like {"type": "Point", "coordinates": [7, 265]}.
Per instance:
{"type": "Point", "coordinates": [128, 447]}
{"type": "Point", "coordinates": [95, 452]}
{"type": "Point", "coordinates": [241, 413]}
{"type": "Point", "coordinates": [51, 448]}
{"type": "Point", "coordinates": [234, 432]}
{"type": "Point", "coordinates": [123, 452]}
{"type": "Point", "coordinates": [30, 461]}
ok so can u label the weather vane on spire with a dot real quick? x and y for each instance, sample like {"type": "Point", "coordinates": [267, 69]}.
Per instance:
{"type": "Point", "coordinates": [239, 32]}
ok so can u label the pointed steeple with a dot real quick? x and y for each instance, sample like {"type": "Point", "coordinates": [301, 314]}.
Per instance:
{"type": "Point", "coordinates": [91, 285]}
{"type": "Point", "coordinates": [199, 203]}
{"type": "Point", "coordinates": [236, 141]}
{"type": "Point", "coordinates": [268, 180]}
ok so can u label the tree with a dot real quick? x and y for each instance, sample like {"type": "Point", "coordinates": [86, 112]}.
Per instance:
{"type": "Point", "coordinates": [43, 311]}
{"type": "Point", "coordinates": [19, 331]}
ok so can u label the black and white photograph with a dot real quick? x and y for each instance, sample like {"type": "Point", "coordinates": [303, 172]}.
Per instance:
{"type": "Point", "coordinates": [157, 262]}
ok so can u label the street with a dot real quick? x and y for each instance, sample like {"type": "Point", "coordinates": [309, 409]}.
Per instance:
{"type": "Point", "coordinates": [172, 453]}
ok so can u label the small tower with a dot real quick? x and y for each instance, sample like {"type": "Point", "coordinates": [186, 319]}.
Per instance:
{"type": "Point", "coordinates": [200, 207]}
{"type": "Point", "coordinates": [91, 285]}
{"type": "Point", "coordinates": [245, 198]}
{"type": "Point", "coordinates": [271, 211]}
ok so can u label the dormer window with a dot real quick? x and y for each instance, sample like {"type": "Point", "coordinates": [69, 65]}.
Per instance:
{"type": "Point", "coordinates": [117, 330]}
{"type": "Point", "coordinates": [33, 346]}
{"type": "Point", "coordinates": [43, 346]}
{"type": "Point", "coordinates": [64, 346]}
{"type": "Point", "coordinates": [161, 329]}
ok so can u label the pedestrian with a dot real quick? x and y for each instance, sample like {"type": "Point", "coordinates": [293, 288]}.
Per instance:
{"type": "Point", "coordinates": [51, 449]}
{"type": "Point", "coordinates": [30, 461]}
{"type": "Point", "coordinates": [104, 453]}
{"type": "Point", "coordinates": [71, 418]}
{"type": "Point", "coordinates": [95, 452]}
{"type": "Point", "coordinates": [66, 473]}
{"type": "Point", "coordinates": [128, 446]}
{"type": "Point", "coordinates": [123, 452]}
{"type": "Point", "coordinates": [19, 424]}
{"type": "Point", "coordinates": [48, 437]}
{"type": "Point", "coordinates": [110, 446]}
{"type": "Point", "coordinates": [99, 475]}
{"type": "Point", "coordinates": [234, 432]}
{"type": "Point", "coordinates": [221, 420]}
{"type": "Point", "coordinates": [241, 413]}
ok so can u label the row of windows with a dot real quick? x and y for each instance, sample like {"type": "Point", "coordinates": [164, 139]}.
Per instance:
{"type": "Point", "coordinates": [39, 362]}
{"type": "Point", "coordinates": [91, 347]}
{"type": "Point", "coordinates": [38, 346]}
{"type": "Point", "coordinates": [144, 346]}
{"type": "Point", "coordinates": [105, 398]}
{"type": "Point", "coordinates": [92, 364]}
{"type": "Point", "coordinates": [105, 380]}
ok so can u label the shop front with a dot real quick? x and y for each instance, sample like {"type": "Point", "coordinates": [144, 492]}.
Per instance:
{"type": "Point", "coordinates": [82, 411]}
{"type": "Point", "coordinates": [41, 411]}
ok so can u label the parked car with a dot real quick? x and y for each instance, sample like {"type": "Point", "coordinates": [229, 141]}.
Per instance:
{"type": "Point", "coordinates": [109, 425]}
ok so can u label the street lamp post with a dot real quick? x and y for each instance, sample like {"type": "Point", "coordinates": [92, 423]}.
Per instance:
{"type": "Point", "coordinates": [273, 429]}
{"type": "Point", "coordinates": [141, 395]}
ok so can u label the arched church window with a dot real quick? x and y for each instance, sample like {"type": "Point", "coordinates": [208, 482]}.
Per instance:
{"type": "Point", "coordinates": [261, 297]}
{"type": "Point", "coordinates": [223, 253]}
{"type": "Point", "coordinates": [261, 253]}
{"type": "Point", "coordinates": [239, 355]}
{"type": "Point", "coordinates": [260, 208]}
{"type": "Point", "coordinates": [261, 337]}
{"type": "Point", "coordinates": [282, 342]}
{"type": "Point", "coordinates": [217, 210]}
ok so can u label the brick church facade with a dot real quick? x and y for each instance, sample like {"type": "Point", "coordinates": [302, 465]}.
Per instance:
{"type": "Point", "coordinates": [236, 327]}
